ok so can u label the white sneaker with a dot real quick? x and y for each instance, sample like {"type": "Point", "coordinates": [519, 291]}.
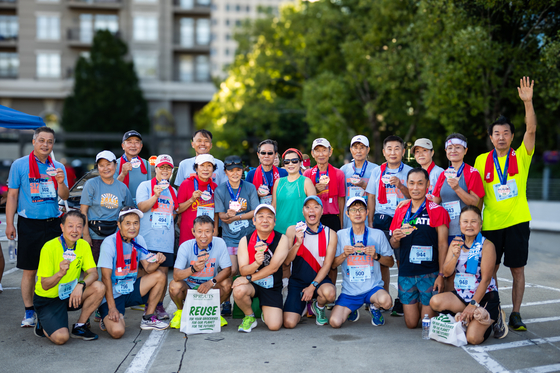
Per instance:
{"type": "Point", "coordinates": [153, 323]}
{"type": "Point", "coordinates": [29, 319]}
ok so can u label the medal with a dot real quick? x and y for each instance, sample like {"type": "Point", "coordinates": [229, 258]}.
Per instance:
{"type": "Point", "coordinates": [263, 189]}
{"type": "Point", "coordinates": [450, 173]}
{"type": "Point", "coordinates": [206, 195]}
{"type": "Point", "coordinates": [386, 179]}
{"type": "Point", "coordinates": [69, 255]}
{"type": "Point", "coordinates": [355, 179]}
{"type": "Point", "coordinates": [152, 258]}
{"type": "Point", "coordinates": [261, 246]}
{"type": "Point", "coordinates": [135, 162]}
{"type": "Point", "coordinates": [235, 206]}
{"type": "Point", "coordinates": [163, 184]}
{"type": "Point", "coordinates": [407, 229]}
{"type": "Point", "coordinates": [51, 171]}
{"type": "Point", "coordinates": [503, 190]}
{"type": "Point", "coordinates": [301, 226]}
{"type": "Point", "coordinates": [324, 179]}
{"type": "Point", "coordinates": [359, 247]}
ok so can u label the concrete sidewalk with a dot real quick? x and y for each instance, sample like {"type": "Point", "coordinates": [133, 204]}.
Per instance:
{"type": "Point", "coordinates": [544, 216]}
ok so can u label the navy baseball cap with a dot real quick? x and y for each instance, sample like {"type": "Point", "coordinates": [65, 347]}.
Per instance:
{"type": "Point", "coordinates": [131, 133]}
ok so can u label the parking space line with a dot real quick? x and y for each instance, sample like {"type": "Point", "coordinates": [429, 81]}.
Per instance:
{"type": "Point", "coordinates": [541, 319]}
{"type": "Point", "coordinates": [530, 285]}
{"type": "Point", "coordinates": [534, 303]}
{"type": "Point", "coordinates": [541, 369]}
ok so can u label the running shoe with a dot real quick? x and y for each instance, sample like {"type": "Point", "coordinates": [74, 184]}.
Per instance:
{"type": "Point", "coordinates": [38, 330]}
{"type": "Point", "coordinates": [83, 332]}
{"type": "Point", "coordinates": [153, 323]}
{"type": "Point", "coordinates": [248, 324]}
{"type": "Point", "coordinates": [377, 318]}
{"type": "Point", "coordinates": [102, 326]}
{"type": "Point", "coordinates": [500, 328]}
{"type": "Point", "coordinates": [330, 306]}
{"type": "Point", "coordinates": [321, 317]}
{"type": "Point", "coordinates": [176, 321]}
{"type": "Point", "coordinates": [29, 319]}
{"type": "Point", "coordinates": [397, 308]}
{"type": "Point", "coordinates": [310, 312]}
{"type": "Point", "coordinates": [515, 322]}
{"type": "Point", "coordinates": [226, 308]}
{"type": "Point", "coordinates": [139, 307]}
{"type": "Point", "coordinates": [223, 321]}
{"type": "Point", "coordinates": [354, 316]}
{"type": "Point", "coordinates": [161, 313]}
{"type": "Point", "coordinates": [97, 317]}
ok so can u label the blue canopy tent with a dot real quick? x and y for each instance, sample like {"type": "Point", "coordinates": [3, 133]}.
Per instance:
{"type": "Point", "coordinates": [10, 118]}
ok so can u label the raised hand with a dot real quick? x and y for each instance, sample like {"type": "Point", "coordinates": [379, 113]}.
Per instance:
{"type": "Point", "coordinates": [525, 88]}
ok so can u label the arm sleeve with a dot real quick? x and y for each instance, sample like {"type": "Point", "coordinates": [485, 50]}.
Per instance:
{"type": "Point", "coordinates": [384, 248]}
{"type": "Point", "coordinates": [184, 194]}
{"type": "Point", "coordinates": [437, 189]}
{"type": "Point", "coordinates": [339, 244]}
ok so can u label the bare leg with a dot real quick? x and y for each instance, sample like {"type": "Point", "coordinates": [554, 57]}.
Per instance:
{"type": "Point", "coordinates": [518, 287]}
{"type": "Point", "coordinates": [339, 315]}
{"type": "Point", "coordinates": [326, 294]}
{"type": "Point", "coordinates": [291, 319]}
{"type": "Point", "coordinates": [332, 275]}
{"type": "Point", "coordinates": [178, 292]}
{"type": "Point", "coordinates": [152, 283]}
{"type": "Point", "coordinates": [386, 277]}
{"type": "Point", "coordinates": [225, 289]}
{"type": "Point", "coordinates": [59, 336]}
{"type": "Point", "coordinates": [234, 266]}
{"type": "Point", "coordinates": [381, 299]}
{"type": "Point", "coordinates": [272, 317]}
{"type": "Point", "coordinates": [91, 299]}
{"type": "Point", "coordinates": [165, 271]}
{"type": "Point", "coordinates": [475, 332]}
{"type": "Point", "coordinates": [28, 286]}
{"type": "Point", "coordinates": [2, 263]}
{"type": "Point", "coordinates": [243, 295]}
{"type": "Point", "coordinates": [496, 274]}
{"type": "Point", "coordinates": [115, 329]}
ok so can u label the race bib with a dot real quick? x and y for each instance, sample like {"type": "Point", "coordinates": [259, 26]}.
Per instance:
{"type": "Point", "coordinates": [124, 286]}
{"type": "Point", "coordinates": [359, 273]}
{"type": "Point", "coordinates": [205, 210]}
{"type": "Point", "coordinates": [266, 282]}
{"type": "Point", "coordinates": [453, 208]}
{"type": "Point", "coordinates": [419, 254]}
{"type": "Point", "coordinates": [161, 220]}
{"type": "Point", "coordinates": [47, 190]}
{"type": "Point", "coordinates": [355, 192]}
{"type": "Point", "coordinates": [64, 290]}
{"type": "Point", "coordinates": [266, 200]}
{"type": "Point", "coordinates": [507, 191]}
{"type": "Point", "coordinates": [392, 200]}
{"type": "Point", "coordinates": [464, 281]}
{"type": "Point", "coordinates": [237, 225]}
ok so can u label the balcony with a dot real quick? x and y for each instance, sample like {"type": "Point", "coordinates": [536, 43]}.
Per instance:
{"type": "Point", "coordinates": [8, 4]}
{"type": "Point", "coordinates": [191, 7]}
{"type": "Point", "coordinates": [8, 42]}
{"type": "Point", "coordinates": [82, 38]}
{"type": "Point", "coordinates": [180, 46]}
{"type": "Point", "coordinates": [95, 4]}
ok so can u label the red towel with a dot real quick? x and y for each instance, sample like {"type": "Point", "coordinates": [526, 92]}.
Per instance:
{"type": "Point", "coordinates": [258, 177]}
{"type": "Point", "coordinates": [489, 168]}
{"type": "Point", "coordinates": [173, 195]}
{"type": "Point", "coordinates": [120, 255]}
{"type": "Point", "coordinates": [34, 169]}
{"type": "Point", "coordinates": [253, 241]}
{"type": "Point", "coordinates": [142, 168]}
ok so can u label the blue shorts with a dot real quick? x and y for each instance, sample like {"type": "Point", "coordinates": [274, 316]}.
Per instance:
{"type": "Point", "coordinates": [354, 302]}
{"type": "Point", "coordinates": [126, 300]}
{"type": "Point", "coordinates": [414, 288]}
{"type": "Point", "coordinates": [293, 300]}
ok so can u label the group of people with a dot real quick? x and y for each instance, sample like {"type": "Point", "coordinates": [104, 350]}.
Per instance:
{"type": "Point", "coordinates": [276, 228]}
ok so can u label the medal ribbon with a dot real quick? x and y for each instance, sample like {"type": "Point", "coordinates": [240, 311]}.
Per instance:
{"type": "Point", "coordinates": [230, 190]}
{"type": "Point", "coordinates": [408, 219]}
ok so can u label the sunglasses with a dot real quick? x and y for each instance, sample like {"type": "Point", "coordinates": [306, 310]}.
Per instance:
{"type": "Point", "coordinates": [227, 164]}
{"type": "Point", "coordinates": [293, 160]}
{"type": "Point", "coordinates": [266, 153]}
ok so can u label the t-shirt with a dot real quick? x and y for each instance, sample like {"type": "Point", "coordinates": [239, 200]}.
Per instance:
{"type": "Point", "coordinates": [353, 190]}
{"type": "Point", "coordinates": [186, 170]}
{"type": "Point", "coordinates": [394, 195]}
{"type": "Point", "coordinates": [330, 203]}
{"type": "Point", "coordinates": [510, 211]}
{"type": "Point", "coordinates": [362, 262]}
{"type": "Point", "coordinates": [218, 258]}
{"type": "Point", "coordinates": [105, 201]}
{"type": "Point", "coordinates": [269, 177]}
{"type": "Point", "coordinates": [108, 259]}
{"type": "Point", "coordinates": [419, 249]}
{"type": "Point", "coordinates": [49, 264]}
{"type": "Point", "coordinates": [37, 198]}
{"type": "Point", "coordinates": [157, 226]}
{"type": "Point", "coordinates": [249, 200]}
{"type": "Point", "coordinates": [200, 206]}
{"type": "Point", "coordinates": [434, 175]}
{"type": "Point", "coordinates": [135, 176]}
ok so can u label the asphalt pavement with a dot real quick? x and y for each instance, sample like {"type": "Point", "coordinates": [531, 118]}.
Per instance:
{"type": "Point", "coordinates": [355, 347]}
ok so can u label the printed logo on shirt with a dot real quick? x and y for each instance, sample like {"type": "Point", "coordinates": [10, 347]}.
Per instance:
{"type": "Point", "coordinates": [109, 201]}
{"type": "Point", "coordinates": [126, 270]}
{"type": "Point", "coordinates": [208, 270]}
{"type": "Point", "coordinates": [165, 204]}
{"type": "Point", "coordinates": [359, 260]}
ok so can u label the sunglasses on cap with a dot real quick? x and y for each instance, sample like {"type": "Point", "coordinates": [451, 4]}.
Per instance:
{"type": "Point", "coordinates": [233, 163]}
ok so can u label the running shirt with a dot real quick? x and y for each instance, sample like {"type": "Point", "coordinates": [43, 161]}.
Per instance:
{"type": "Point", "coordinates": [330, 201]}
{"type": "Point", "coordinates": [37, 198]}
{"type": "Point", "coordinates": [419, 249]}
{"type": "Point", "coordinates": [360, 273]}
{"type": "Point", "coordinates": [198, 207]}
{"type": "Point", "coordinates": [500, 212]}
{"type": "Point", "coordinates": [135, 176]}
{"type": "Point", "coordinates": [274, 281]}
{"type": "Point", "coordinates": [49, 264]}
{"type": "Point", "coordinates": [105, 201]}
{"type": "Point", "coordinates": [108, 259]}
{"type": "Point", "coordinates": [308, 261]}
{"type": "Point", "coordinates": [158, 225]}
{"type": "Point", "coordinates": [186, 170]}
{"type": "Point", "coordinates": [289, 202]}
{"type": "Point", "coordinates": [467, 292]}
{"type": "Point", "coordinates": [218, 257]}
{"type": "Point", "coordinates": [352, 190]}
{"type": "Point", "coordinates": [394, 195]}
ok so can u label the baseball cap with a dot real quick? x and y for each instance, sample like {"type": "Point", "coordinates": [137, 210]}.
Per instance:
{"type": "Point", "coordinates": [233, 161]}
{"type": "Point", "coordinates": [321, 141]}
{"type": "Point", "coordinates": [314, 198]}
{"type": "Point", "coordinates": [130, 134]}
{"type": "Point", "coordinates": [131, 210]}
{"type": "Point", "coordinates": [265, 206]}
{"type": "Point", "coordinates": [106, 154]}
{"type": "Point", "coordinates": [424, 143]}
{"type": "Point", "coordinates": [203, 158]}
{"type": "Point", "coordinates": [361, 139]}
{"type": "Point", "coordinates": [164, 159]}
{"type": "Point", "coordinates": [356, 199]}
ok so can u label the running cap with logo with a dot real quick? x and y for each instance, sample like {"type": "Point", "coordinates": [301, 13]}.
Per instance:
{"type": "Point", "coordinates": [265, 206]}
{"type": "Point", "coordinates": [131, 210]}
{"type": "Point", "coordinates": [131, 133]}
{"type": "Point", "coordinates": [314, 198]}
{"type": "Point", "coordinates": [164, 159]}
{"type": "Point", "coordinates": [322, 142]}
{"type": "Point", "coordinates": [203, 158]}
{"type": "Point", "coordinates": [361, 139]}
{"type": "Point", "coordinates": [233, 161]}
{"type": "Point", "coordinates": [106, 154]}
{"type": "Point", "coordinates": [423, 143]}
{"type": "Point", "coordinates": [355, 199]}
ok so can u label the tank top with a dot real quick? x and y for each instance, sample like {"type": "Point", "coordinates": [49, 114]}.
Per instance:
{"type": "Point", "coordinates": [289, 203]}
{"type": "Point", "coordinates": [461, 267]}
{"type": "Point", "coordinates": [302, 270]}
{"type": "Point", "coordinates": [448, 198]}
{"type": "Point", "coordinates": [277, 276]}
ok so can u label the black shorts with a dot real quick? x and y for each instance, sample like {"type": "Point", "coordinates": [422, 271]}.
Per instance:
{"type": "Point", "coordinates": [293, 300]}
{"type": "Point", "coordinates": [332, 221]}
{"type": "Point", "coordinates": [268, 297]}
{"type": "Point", "coordinates": [32, 236]}
{"type": "Point", "coordinates": [490, 301]}
{"type": "Point", "coordinates": [512, 243]}
{"type": "Point", "coordinates": [52, 312]}
{"type": "Point", "coordinates": [126, 300]}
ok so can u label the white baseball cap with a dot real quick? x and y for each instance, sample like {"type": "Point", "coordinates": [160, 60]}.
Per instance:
{"type": "Point", "coordinates": [203, 158]}
{"type": "Point", "coordinates": [125, 211]}
{"type": "Point", "coordinates": [320, 141]}
{"type": "Point", "coordinates": [265, 206]}
{"type": "Point", "coordinates": [361, 139]}
{"type": "Point", "coordinates": [106, 154]}
{"type": "Point", "coordinates": [355, 199]}
{"type": "Point", "coordinates": [164, 159]}
{"type": "Point", "coordinates": [423, 143]}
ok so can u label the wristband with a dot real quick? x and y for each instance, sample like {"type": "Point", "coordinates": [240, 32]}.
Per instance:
{"type": "Point", "coordinates": [83, 283]}
{"type": "Point", "coordinates": [315, 283]}
{"type": "Point", "coordinates": [378, 257]}
{"type": "Point", "coordinates": [441, 274]}
{"type": "Point", "coordinates": [192, 269]}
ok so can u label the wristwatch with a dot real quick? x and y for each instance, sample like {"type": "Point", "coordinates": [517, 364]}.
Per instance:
{"type": "Point", "coordinates": [249, 277]}
{"type": "Point", "coordinates": [377, 257]}
{"type": "Point", "coordinates": [214, 282]}
{"type": "Point", "coordinates": [315, 283]}
{"type": "Point", "coordinates": [474, 303]}
{"type": "Point", "coordinates": [83, 283]}
{"type": "Point", "coordinates": [192, 269]}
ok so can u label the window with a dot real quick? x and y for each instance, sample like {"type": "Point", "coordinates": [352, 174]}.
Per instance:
{"type": "Point", "coordinates": [48, 27]}
{"type": "Point", "coordinates": [145, 28]}
{"type": "Point", "coordinates": [186, 69]}
{"type": "Point", "coordinates": [227, 7]}
{"type": "Point", "coordinates": [238, 8]}
{"type": "Point", "coordinates": [226, 51]}
{"type": "Point", "coordinates": [238, 22]}
{"type": "Point", "coordinates": [248, 8]}
{"type": "Point", "coordinates": [107, 22]}
{"type": "Point", "coordinates": [203, 2]}
{"type": "Point", "coordinates": [48, 65]}
{"type": "Point", "coordinates": [146, 65]}
{"type": "Point", "coordinates": [8, 27]}
{"type": "Point", "coordinates": [202, 68]}
{"type": "Point", "coordinates": [203, 31]}
{"type": "Point", "coordinates": [228, 36]}
{"type": "Point", "coordinates": [227, 22]}
{"type": "Point", "coordinates": [89, 24]}
{"type": "Point", "coordinates": [187, 32]}
{"type": "Point", "coordinates": [186, 4]}
{"type": "Point", "coordinates": [9, 65]}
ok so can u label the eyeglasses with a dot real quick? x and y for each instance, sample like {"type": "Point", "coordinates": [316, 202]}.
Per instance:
{"type": "Point", "coordinates": [266, 153]}
{"type": "Point", "coordinates": [293, 160]}
{"type": "Point", "coordinates": [356, 210]}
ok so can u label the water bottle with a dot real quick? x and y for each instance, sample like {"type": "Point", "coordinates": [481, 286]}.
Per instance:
{"type": "Point", "coordinates": [12, 250]}
{"type": "Point", "coordinates": [426, 327]}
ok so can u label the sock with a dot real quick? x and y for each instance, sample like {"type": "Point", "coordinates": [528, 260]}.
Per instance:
{"type": "Point", "coordinates": [30, 308]}
{"type": "Point", "coordinates": [251, 315]}
{"type": "Point", "coordinates": [319, 307]}
{"type": "Point", "coordinates": [159, 304]}
{"type": "Point", "coordinates": [147, 317]}
{"type": "Point", "coordinates": [373, 307]}
{"type": "Point", "coordinates": [78, 324]}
